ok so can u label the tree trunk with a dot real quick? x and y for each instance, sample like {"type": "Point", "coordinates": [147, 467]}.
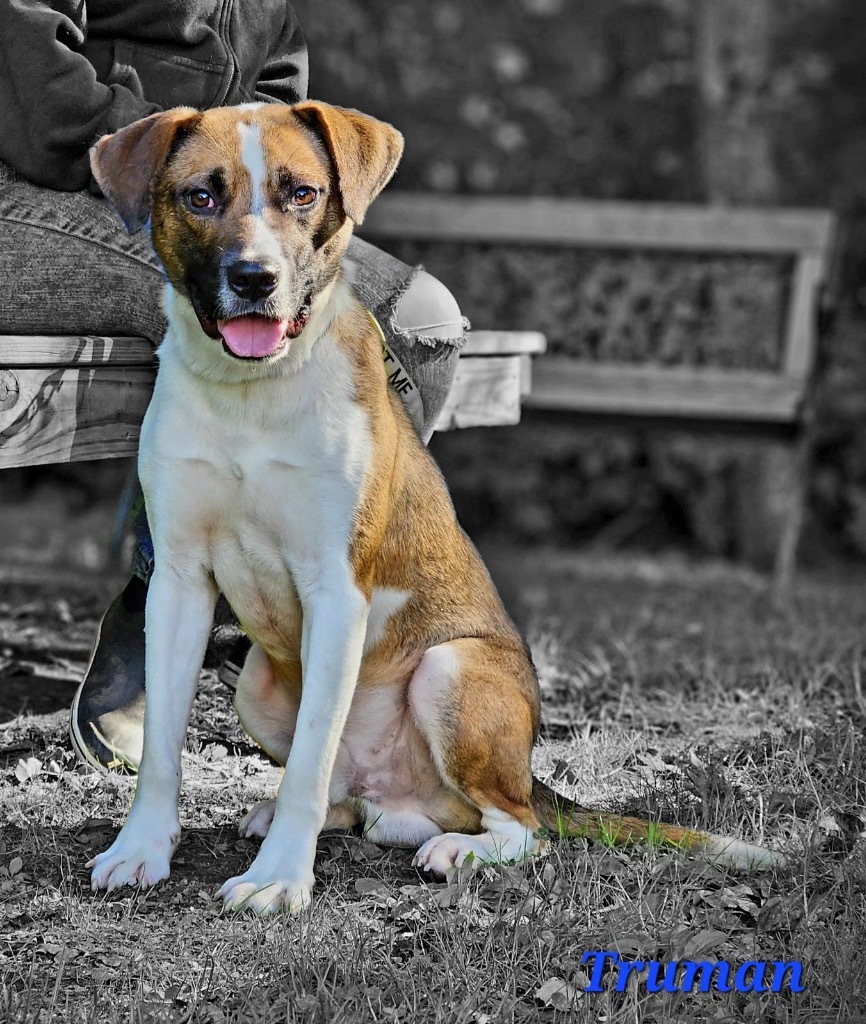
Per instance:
{"type": "Point", "coordinates": [733, 50]}
{"type": "Point", "coordinates": [733, 40]}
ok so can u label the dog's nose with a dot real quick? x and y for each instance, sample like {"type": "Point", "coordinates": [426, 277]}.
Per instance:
{"type": "Point", "coordinates": [251, 281]}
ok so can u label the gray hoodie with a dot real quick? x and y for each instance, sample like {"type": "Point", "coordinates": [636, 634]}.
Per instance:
{"type": "Point", "coordinates": [73, 70]}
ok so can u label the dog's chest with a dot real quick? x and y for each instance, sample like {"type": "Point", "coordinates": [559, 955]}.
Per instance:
{"type": "Point", "coordinates": [265, 503]}
{"type": "Point", "coordinates": [269, 529]}
{"type": "Point", "coordinates": [275, 530]}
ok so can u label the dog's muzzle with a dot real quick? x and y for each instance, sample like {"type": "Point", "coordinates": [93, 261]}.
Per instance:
{"type": "Point", "coordinates": [251, 326]}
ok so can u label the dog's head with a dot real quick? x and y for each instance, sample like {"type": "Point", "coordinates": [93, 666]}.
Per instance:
{"type": "Point", "coordinates": [250, 207]}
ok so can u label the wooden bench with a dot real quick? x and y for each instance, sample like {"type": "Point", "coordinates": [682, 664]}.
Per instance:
{"type": "Point", "coordinates": [68, 399]}
{"type": "Point", "coordinates": [65, 399]}
{"type": "Point", "coordinates": [776, 400]}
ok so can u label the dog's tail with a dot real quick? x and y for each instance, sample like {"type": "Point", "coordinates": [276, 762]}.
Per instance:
{"type": "Point", "coordinates": [564, 818]}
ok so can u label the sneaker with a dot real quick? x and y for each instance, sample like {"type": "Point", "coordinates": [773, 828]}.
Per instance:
{"type": "Point", "coordinates": [106, 721]}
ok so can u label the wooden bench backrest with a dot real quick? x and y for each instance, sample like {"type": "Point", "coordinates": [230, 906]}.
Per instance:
{"type": "Point", "coordinates": [806, 236]}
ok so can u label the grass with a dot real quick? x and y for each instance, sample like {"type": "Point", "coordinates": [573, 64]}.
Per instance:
{"type": "Point", "coordinates": [670, 691]}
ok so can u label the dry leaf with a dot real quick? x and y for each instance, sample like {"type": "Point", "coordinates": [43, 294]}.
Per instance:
{"type": "Point", "coordinates": [556, 993]}
{"type": "Point", "coordinates": [703, 942]}
{"type": "Point", "coordinates": [28, 769]}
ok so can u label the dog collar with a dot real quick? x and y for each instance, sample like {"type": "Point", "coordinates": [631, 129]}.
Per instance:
{"type": "Point", "coordinates": [400, 379]}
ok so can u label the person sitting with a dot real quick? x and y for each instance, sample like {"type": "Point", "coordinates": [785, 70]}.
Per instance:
{"type": "Point", "coordinates": [70, 72]}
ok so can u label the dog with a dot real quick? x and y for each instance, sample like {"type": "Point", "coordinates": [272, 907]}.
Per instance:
{"type": "Point", "coordinates": [280, 469]}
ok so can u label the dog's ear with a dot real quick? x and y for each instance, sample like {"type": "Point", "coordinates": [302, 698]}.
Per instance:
{"type": "Point", "coordinates": [126, 163]}
{"type": "Point", "coordinates": [365, 151]}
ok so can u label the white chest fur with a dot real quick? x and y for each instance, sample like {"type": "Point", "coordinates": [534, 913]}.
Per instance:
{"type": "Point", "coordinates": [257, 483]}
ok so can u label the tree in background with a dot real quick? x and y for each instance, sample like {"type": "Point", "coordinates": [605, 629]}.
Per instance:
{"type": "Point", "coordinates": [733, 69]}
{"type": "Point", "coordinates": [733, 47]}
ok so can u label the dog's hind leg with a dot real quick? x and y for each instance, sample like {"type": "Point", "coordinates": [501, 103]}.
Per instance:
{"type": "Point", "coordinates": [268, 710]}
{"type": "Point", "coordinates": [475, 701]}
{"type": "Point", "coordinates": [257, 820]}
{"type": "Point", "coordinates": [266, 707]}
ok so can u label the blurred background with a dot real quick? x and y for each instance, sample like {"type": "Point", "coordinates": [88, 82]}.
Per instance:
{"type": "Point", "coordinates": [722, 101]}
{"type": "Point", "coordinates": [726, 101]}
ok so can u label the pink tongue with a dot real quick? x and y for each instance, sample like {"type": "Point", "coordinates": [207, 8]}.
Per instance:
{"type": "Point", "coordinates": [253, 336]}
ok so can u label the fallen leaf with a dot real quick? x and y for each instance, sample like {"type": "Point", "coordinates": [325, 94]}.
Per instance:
{"type": "Point", "coordinates": [28, 769]}
{"type": "Point", "coordinates": [779, 914]}
{"type": "Point", "coordinates": [556, 993]}
{"type": "Point", "coordinates": [634, 944]}
{"type": "Point", "coordinates": [368, 885]}
{"type": "Point", "coordinates": [448, 896]}
{"type": "Point", "coordinates": [548, 876]}
{"type": "Point", "coordinates": [827, 823]}
{"type": "Point", "coordinates": [367, 851]}
{"type": "Point", "coordinates": [703, 942]}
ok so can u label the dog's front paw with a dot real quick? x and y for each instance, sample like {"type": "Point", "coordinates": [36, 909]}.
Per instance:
{"type": "Point", "coordinates": [265, 892]}
{"type": "Point", "coordinates": [257, 820]}
{"type": "Point", "coordinates": [134, 858]}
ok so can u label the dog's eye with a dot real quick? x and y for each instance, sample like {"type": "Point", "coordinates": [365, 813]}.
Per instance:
{"type": "Point", "coordinates": [200, 199]}
{"type": "Point", "coordinates": [304, 196]}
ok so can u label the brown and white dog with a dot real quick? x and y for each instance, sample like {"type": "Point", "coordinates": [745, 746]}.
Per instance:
{"type": "Point", "coordinates": [280, 469]}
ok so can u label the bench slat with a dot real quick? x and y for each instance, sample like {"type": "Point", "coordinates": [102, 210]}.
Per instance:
{"type": "Point", "coordinates": [70, 414]}
{"type": "Point", "coordinates": [502, 343]}
{"type": "Point", "coordinates": [698, 394]}
{"type": "Point", "coordinates": [800, 342]}
{"type": "Point", "coordinates": [55, 414]}
{"type": "Point", "coordinates": [72, 350]}
{"type": "Point", "coordinates": [574, 222]}
{"type": "Point", "coordinates": [486, 393]}
{"type": "Point", "coordinates": [61, 350]}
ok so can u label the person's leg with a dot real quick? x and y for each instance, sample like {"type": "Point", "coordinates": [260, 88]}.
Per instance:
{"type": "Point", "coordinates": [68, 266]}
{"type": "Point", "coordinates": [421, 322]}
